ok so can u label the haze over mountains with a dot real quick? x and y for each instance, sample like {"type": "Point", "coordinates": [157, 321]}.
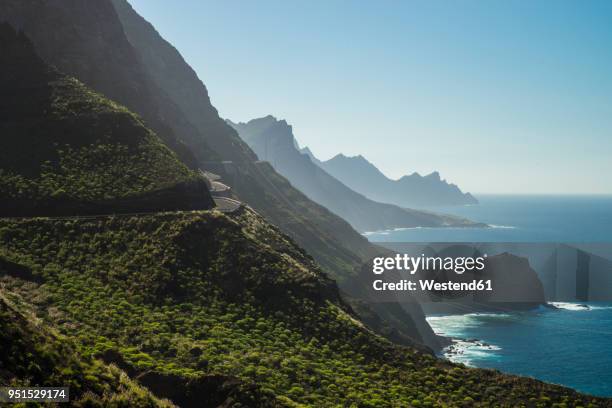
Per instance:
{"type": "Point", "coordinates": [412, 190]}
{"type": "Point", "coordinates": [273, 141]}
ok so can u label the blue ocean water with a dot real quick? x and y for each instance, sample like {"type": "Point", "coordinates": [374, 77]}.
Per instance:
{"type": "Point", "coordinates": [570, 345]}
{"type": "Point", "coordinates": [519, 218]}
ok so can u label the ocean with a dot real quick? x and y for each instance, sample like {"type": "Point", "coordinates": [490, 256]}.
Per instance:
{"type": "Point", "coordinates": [519, 218]}
{"type": "Point", "coordinates": [569, 345]}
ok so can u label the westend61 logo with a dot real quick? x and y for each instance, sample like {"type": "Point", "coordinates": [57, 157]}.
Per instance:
{"type": "Point", "coordinates": [446, 273]}
{"type": "Point", "coordinates": [412, 264]}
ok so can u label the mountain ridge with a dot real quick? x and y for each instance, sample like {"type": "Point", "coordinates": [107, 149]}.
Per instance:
{"type": "Point", "coordinates": [273, 141]}
{"type": "Point", "coordinates": [66, 149]}
{"type": "Point", "coordinates": [409, 190]}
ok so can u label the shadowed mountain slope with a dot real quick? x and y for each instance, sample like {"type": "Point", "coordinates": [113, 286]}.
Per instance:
{"type": "Point", "coordinates": [66, 149]}
{"type": "Point", "coordinates": [90, 43]}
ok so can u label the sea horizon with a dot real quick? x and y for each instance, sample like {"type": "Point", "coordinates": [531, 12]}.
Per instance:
{"type": "Point", "coordinates": [570, 218]}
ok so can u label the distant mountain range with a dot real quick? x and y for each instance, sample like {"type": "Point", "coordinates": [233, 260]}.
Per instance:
{"type": "Point", "coordinates": [411, 191]}
{"type": "Point", "coordinates": [273, 141]}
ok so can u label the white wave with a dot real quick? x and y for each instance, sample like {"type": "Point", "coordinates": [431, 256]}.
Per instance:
{"type": "Point", "coordinates": [368, 233]}
{"type": "Point", "coordinates": [581, 307]}
{"type": "Point", "coordinates": [593, 307]}
{"type": "Point", "coordinates": [389, 231]}
{"type": "Point", "coordinates": [466, 351]}
{"type": "Point", "coordinates": [571, 306]}
{"type": "Point", "coordinates": [447, 227]}
{"type": "Point", "coordinates": [501, 226]}
{"type": "Point", "coordinates": [455, 325]}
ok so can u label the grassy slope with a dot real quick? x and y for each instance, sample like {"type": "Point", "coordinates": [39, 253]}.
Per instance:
{"type": "Point", "coordinates": [102, 152]}
{"type": "Point", "coordinates": [32, 354]}
{"type": "Point", "coordinates": [200, 294]}
{"type": "Point", "coordinates": [63, 143]}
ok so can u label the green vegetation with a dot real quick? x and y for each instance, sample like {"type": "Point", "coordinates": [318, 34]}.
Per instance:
{"type": "Point", "coordinates": [64, 143]}
{"type": "Point", "coordinates": [33, 354]}
{"type": "Point", "coordinates": [126, 59]}
{"type": "Point", "coordinates": [111, 155]}
{"type": "Point", "coordinates": [200, 294]}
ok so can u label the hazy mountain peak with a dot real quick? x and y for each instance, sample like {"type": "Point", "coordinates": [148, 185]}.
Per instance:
{"type": "Point", "coordinates": [342, 156]}
{"type": "Point", "coordinates": [269, 138]}
{"type": "Point", "coordinates": [306, 151]}
{"type": "Point", "coordinates": [267, 129]}
{"type": "Point", "coordinates": [357, 164]}
{"type": "Point", "coordinates": [433, 175]}
{"type": "Point", "coordinates": [409, 190]}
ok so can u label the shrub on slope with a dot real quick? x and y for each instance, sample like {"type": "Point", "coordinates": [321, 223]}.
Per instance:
{"type": "Point", "coordinates": [191, 295]}
{"type": "Point", "coordinates": [65, 148]}
{"type": "Point", "coordinates": [31, 354]}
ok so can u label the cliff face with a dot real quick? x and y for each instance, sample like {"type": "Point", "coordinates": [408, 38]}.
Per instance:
{"type": "Point", "coordinates": [86, 40]}
{"type": "Point", "coordinates": [413, 190]}
{"type": "Point", "coordinates": [67, 150]}
{"type": "Point", "coordinates": [169, 71]}
{"type": "Point", "coordinates": [273, 141]}
{"type": "Point", "coordinates": [515, 283]}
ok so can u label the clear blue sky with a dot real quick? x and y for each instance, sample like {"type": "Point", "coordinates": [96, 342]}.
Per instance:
{"type": "Point", "coordinates": [499, 96]}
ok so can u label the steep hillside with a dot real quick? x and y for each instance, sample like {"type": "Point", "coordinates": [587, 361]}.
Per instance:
{"type": "Point", "coordinates": [273, 141]}
{"type": "Point", "coordinates": [169, 71]}
{"type": "Point", "coordinates": [66, 150]}
{"type": "Point", "coordinates": [179, 298]}
{"type": "Point", "coordinates": [413, 190]}
{"type": "Point", "coordinates": [32, 354]}
{"type": "Point", "coordinates": [90, 43]}
{"type": "Point", "coordinates": [329, 238]}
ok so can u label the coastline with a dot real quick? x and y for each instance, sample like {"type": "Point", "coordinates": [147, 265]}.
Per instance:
{"type": "Point", "coordinates": [474, 225]}
{"type": "Point", "coordinates": [498, 340]}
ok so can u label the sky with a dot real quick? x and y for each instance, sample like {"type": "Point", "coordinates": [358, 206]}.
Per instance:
{"type": "Point", "coordinates": [498, 96]}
